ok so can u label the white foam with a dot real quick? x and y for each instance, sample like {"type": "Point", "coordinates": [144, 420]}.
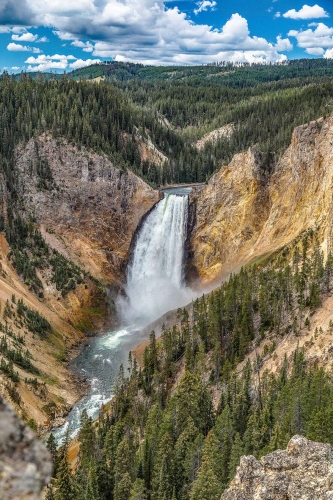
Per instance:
{"type": "Point", "coordinates": [114, 339]}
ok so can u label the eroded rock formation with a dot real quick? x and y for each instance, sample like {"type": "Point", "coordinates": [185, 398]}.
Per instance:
{"type": "Point", "coordinates": [93, 206]}
{"type": "Point", "coordinates": [245, 212]}
{"type": "Point", "coordinates": [304, 471]}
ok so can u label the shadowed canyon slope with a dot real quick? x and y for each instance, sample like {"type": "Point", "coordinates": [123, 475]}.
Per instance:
{"type": "Point", "coordinates": [244, 212]}
{"type": "Point", "coordinates": [94, 206]}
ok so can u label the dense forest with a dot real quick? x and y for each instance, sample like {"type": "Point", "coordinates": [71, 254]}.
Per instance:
{"type": "Point", "coordinates": [173, 107]}
{"type": "Point", "coordinates": [165, 437]}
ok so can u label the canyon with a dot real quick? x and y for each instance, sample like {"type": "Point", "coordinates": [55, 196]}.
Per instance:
{"type": "Point", "coordinates": [246, 212]}
{"type": "Point", "coordinates": [89, 216]}
{"type": "Point", "coordinates": [243, 215]}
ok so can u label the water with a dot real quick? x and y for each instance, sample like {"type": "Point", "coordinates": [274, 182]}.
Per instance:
{"type": "Point", "coordinates": [154, 285]}
{"type": "Point", "coordinates": [155, 278]}
{"type": "Point", "coordinates": [99, 362]}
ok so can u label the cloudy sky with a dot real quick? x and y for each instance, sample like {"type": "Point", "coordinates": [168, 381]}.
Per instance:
{"type": "Point", "coordinates": [58, 35]}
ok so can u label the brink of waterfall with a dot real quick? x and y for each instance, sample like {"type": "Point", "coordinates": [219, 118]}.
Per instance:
{"type": "Point", "coordinates": [155, 277]}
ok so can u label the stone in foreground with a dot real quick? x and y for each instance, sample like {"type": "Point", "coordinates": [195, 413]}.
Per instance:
{"type": "Point", "coordinates": [304, 471]}
{"type": "Point", "coordinates": [25, 464]}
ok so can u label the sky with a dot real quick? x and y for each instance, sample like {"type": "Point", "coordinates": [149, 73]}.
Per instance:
{"type": "Point", "coordinates": [62, 35]}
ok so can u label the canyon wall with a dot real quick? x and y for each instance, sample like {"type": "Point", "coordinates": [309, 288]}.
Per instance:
{"type": "Point", "coordinates": [87, 210]}
{"type": "Point", "coordinates": [245, 212]}
{"type": "Point", "coordinates": [92, 209]}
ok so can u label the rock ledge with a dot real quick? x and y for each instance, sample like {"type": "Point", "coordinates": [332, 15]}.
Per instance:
{"type": "Point", "coordinates": [304, 471]}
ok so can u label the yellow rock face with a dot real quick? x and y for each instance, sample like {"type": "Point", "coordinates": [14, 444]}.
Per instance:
{"type": "Point", "coordinates": [244, 212]}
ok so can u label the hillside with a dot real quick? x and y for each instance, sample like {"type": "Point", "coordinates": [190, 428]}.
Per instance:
{"type": "Point", "coordinates": [172, 108]}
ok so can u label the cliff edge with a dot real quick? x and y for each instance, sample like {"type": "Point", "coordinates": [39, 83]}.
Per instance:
{"type": "Point", "coordinates": [247, 210]}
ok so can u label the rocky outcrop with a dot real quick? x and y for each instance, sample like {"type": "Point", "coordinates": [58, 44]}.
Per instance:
{"type": "Point", "coordinates": [226, 132]}
{"type": "Point", "coordinates": [304, 471]}
{"type": "Point", "coordinates": [25, 464]}
{"type": "Point", "coordinates": [244, 212]}
{"type": "Point", "coordinates": [91, 208]}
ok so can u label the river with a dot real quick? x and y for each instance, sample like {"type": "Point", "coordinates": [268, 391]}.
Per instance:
{"type": "Point", "coordinates": [154, 285]}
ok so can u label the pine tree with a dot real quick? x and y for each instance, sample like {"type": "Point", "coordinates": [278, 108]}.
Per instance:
{"type": "Point", "coordinates": [206, 487]}
{"type": "Point", "coordinates": [87, 440]}
{"type": "Point", "coordinates": [236, 453]}
{"type": "Point", "coordinates": [138, 491]}
{"type": "Point", "coordinates": [64, 483]}
{"type": "Point", "coordinates": [51, 445]}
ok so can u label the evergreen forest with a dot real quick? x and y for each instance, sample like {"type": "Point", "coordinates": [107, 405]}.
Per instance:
{"type": "Point", "coordinates": [173, 107]}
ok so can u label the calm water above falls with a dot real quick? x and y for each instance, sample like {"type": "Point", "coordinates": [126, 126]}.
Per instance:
{"type": "Point", "coordinates": [154, 285]}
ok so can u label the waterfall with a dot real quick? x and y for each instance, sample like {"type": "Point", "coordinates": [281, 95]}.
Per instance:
{"type": "Point", "coordinates": [155, 277]}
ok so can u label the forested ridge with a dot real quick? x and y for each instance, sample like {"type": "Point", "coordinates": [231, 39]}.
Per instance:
{"type": "Point", "coordinates": [167, 436]}
{"type": "Point", "coordinates": [174, 107]}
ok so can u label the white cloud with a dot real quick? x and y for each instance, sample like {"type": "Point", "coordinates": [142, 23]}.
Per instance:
{"type": "Point", "coordinates": [306, 12]}
{"type": "Point", "coordinates": [4, 29]}
{"type": "Point", "coordinates": [25, 37]}
{"type": "Point", "coordinates": [80, 63]}
{"type": "Point", "coordinates": [283, 44]}
{"type": "Point", "coordinates": [57, 61]}
{"type": "Point", "coordinates": [277, 14]}
{"type": "Point", "coordinates": [328, 54]}
{"type": "Point", "coordinates": [174, 39]}
{"type": "Point", "coordinates": [315, 51]}
{"type": "Point", "coordinates": [15, 68]}
{"type": "Point", "coordinates": [16, 47]}
{"type": "Point", "coordinates": [149, 31]}
{"type": "Point", "coordinates": [85, 46]}
{"type": "Point", "coordinates": [321, 36]}
{"type": "Point", "coordinates": [205, 5]}
{"type": "Point", "coordinates": [19, 29]}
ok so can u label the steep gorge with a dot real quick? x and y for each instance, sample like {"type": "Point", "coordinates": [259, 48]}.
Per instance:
{"type": "Point", "coordinates": [97, 205]}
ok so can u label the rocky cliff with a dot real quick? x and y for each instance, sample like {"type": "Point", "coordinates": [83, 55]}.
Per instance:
{"type": "Point", "coordinates": [304, 471]}
{"type": "Point", "coordinates": [245, 212]}
{"type": "Point", "coordinates": [91, 208]}
{"type": "Point", "coordinates": [87, 210]}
